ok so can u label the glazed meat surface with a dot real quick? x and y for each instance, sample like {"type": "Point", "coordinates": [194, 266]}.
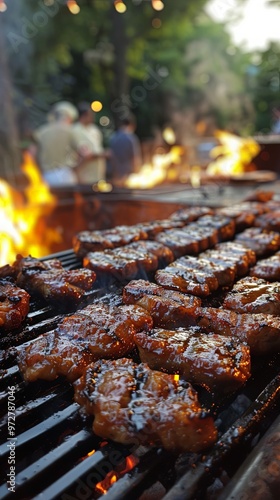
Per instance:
{"type": "Point", "coordinates": [260, 331]}
{"type": "Point", "coordinates": [261, 241]}
{"type": "Point", "coordinates": [268, 269]}
{"type": "Point", "coordinates": [222, 272]}
{"type": "Point", "coordinates": [230, 256]}
{"type": "Point", "coordinates": [269, 221]}
{"type": "Point", "coordinates": [225, 226]}
{"type": "Point", "coordinates": [254, 295]}
{"type": "Point", "coordinates": [48, 280]}
{"type": "Point", "coordinates": [97, 331]}
{"type": "Point", "coordinates": [179, 242]}
{"type": "Point", "coordinates": [14, 305]}
{"type": "Point", "coordinates": [191, 214]}
{"type": "Point", "coordinates": [206, 359]}
{"type": "Point", "coordinates": [133, 404]}
{"type": "Point", "coordinates": [186, 280]}
{"type": "Point", "coordinates": [158, 226]}
{"type": "Point", "coordinates": [164, 254]}
{"type": "Point", "coordinates": [168, 309]}
{"type": "Point", "coordinates": [95, 241]}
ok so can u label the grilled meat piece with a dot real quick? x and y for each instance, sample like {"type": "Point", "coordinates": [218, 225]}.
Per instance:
{"type": "Point", "coordinates": [224, 225]}
{"type": "Point", "coordinates": [157, 226]}
{"type": "Point", "coordinates": [14, 305]}
{"type": "Point", "coordinates": [269, 221]}
{"type": "Point", "coordinates": [244, 213]}
{"type": "Point", "coordinates": [97, 331]}
{"type": "Point", "coordinates": [268, 269]}
{"type": "Point", "coordinates": [261, 241]}
{"type": "Point", "coordinates": [122, 263]}
{"type": "Point", "coordinates": [168, 309]}
{"type": "Point", "coordinates": [133, 404]}
{"type": "Point", "coordinates": [254, 295]}
{"type": "Point", "coordinates": [94, 241]}
{"type": "Point", "coordinates": [221, 272]}
{"type": "Point", "coordinates": [164, 254]}
{"type": "Point", "coordinates": [206, 237]}
{"type": "Point", "coordinates": [179, 242]}
{"type": "Point", "coordinates": [190, 214]}
{"type": "Point", "coordinates": [260, 331]}
{"type": "Point", "coordinates": [48, 280]}
{"type": "Point", "coordinates": [233, 257]}
{"type": "Point", "coordinates": [205, 359]}
{"type": "Point", "coordinates": [194, 282]}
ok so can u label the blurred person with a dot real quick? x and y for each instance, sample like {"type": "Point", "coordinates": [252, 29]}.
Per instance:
{"type": "Point", "coordinates": [59, 149]}
{"type": "Point", "coordinates": [92, 168]}
{"type": "Point", "coordinates": [125, 150]}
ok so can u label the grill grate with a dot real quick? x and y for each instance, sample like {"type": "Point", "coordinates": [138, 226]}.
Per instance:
{"type": "Point", "coordinates": [58, 456]}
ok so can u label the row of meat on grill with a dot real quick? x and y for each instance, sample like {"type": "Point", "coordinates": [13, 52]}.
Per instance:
{"type": "Point", "coordinates": [167, 324]}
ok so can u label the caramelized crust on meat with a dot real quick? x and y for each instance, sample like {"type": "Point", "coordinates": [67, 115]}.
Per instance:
{"type": "Point", "coordinates": [157, 226]}
{"type": "Point", "coordinates": [220, 272]}
{"type": "Point", "coordinates": [168, 309]}
{"type": "Point", "coordinates": [164, 254]}
{"type": "Point", "coordinates": [232, 256]}
{"type": "Point", "coordinates": [254, 295]}
{"type": "Point", "coordinates": [14, 305]}
{"type": "Point", "coordinates": [97, 331]}
{"type": "Point", "coordinates": [261, 241]}
{"type": "Point", "coordinates": [133, 404]}
{"type": "Point", "coordinates": [210, 360]}
{"type": "Point", "coordinates": [122, 263]}
{"type": "Point", "coordinates": [95, 241]}
{"type": "Point", "coordinates": [186, 280]}
{"type": "Point", "coordinates": [191, 214]}
{"type": "Point", "coordinates": [269, 221]}
{"type": "Point", "coordinates": [225, 226]}
{"type": "Point", "coordinates": [50, 281]}
{"type": "Point", "coordinates": [179, 242]}
{"type": "Point", "coordinates": [268, 269]}
{"type": "Point", "coordinates": [260, 331]}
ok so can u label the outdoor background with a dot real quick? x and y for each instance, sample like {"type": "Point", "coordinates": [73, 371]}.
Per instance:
{"type": "Point", "coordinates": [192, 65]}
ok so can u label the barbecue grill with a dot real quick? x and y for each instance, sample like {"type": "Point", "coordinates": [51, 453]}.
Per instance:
{"type": "Point", "coordinates": [57, 456]}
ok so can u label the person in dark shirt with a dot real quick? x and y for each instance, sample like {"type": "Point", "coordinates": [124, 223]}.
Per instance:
{"type": "Point", "coordinates": [125, 151]}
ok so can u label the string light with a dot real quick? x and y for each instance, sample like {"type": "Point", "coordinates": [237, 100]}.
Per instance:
{"type": "Point", "coordinates": [3, 6]}
{"type": "Point", "coordinates": [73, 6]}
{"type": "Point", "coordinates": [96, 106]}
{"type": "Point", "coordinates": [120, 6]}
{"type": "Point", "coordinates": [157, 5]}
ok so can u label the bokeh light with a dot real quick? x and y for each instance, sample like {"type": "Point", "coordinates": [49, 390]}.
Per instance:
{"type": "Point", "coordinates": [96, 106]}
{"type": "Point", "coordinates": [120, 6]}
{"type": "Point", "coordinates": [73, 6]}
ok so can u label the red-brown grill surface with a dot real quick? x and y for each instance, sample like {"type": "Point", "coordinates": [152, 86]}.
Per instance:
{"type": "Point", "coordinates": [57, 456]}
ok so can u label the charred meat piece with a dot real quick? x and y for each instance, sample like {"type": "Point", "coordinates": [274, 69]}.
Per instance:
{"type": "Point", "coordinates": [168, 309]}
{"type": "Point", "coordinates": [108, 265]}
{"type": "Point", "coordinates": [97, 331]}
{"type": "Point", "coordinates": [164, 254]}
{"type": "Point", "coordinates": [238, 249]}
{"type": "Point", "coordinates": [95, 241]}
{"type": "Point", "coordinates": [269, 221]}
{"type": "Point", "coordinates": [23, 264]}
{"type": "Point", "coordinates": [48, 280]}
{"type": "Point", "coordinates": [224, 225]}
{"type": "Point", "coordinates": [122, 263]}
{"type": "Point", "coordinates": [261, 241]}
{"type": "Point", "coordinates": [191, 214]}
{"type": "Point", "coordinates": [179, 242]}
{"type": "Point", "coordinates": [254, 295]}
{"type": "Point", "coordinates": [206, 237]}
{"type": "Point", "coordinates": [158, 226]}
{"type": "Point", "coordinates": [133, 404]}
{"type": "Point", "coordinates": [224, 274]}
{"type": "Point", "coordinates": [244, 213]}
{"type": "Point", "coordinates": [52, 355]}
{"type": "Point", "coordinates": [237, 263]}
{"type": "Point", "coordinates": [60, 286]}
{"type": "Point", "coordinates": [186, 280]}
{"type": "Point", "coordinates": [260, 331]}
{"type": "Point", "coordinates": [268, 269]}
{"type": "Point", "coordinates": [14, 305]}
{"type": "Point", "coordinates": [205, 359]}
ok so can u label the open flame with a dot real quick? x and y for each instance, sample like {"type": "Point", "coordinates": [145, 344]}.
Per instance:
{"type": "Point", "coordinates": [233, 155]}
{"type": "Point", "coordinates": [23, 226]}
{"type": "Point", "coordinates": [156, 172]}
{"type": "Point", "coordinates": [129, 463]}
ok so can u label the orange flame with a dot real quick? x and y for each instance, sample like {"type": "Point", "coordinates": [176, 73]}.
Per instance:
{"type": "Point", "coordinates": [103, 486]}
{"type": "Point", "coordinates": [23, 227]}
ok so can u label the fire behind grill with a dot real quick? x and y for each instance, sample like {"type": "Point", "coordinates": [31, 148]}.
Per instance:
{"type": "Point", "coordinates": [57, 456]}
